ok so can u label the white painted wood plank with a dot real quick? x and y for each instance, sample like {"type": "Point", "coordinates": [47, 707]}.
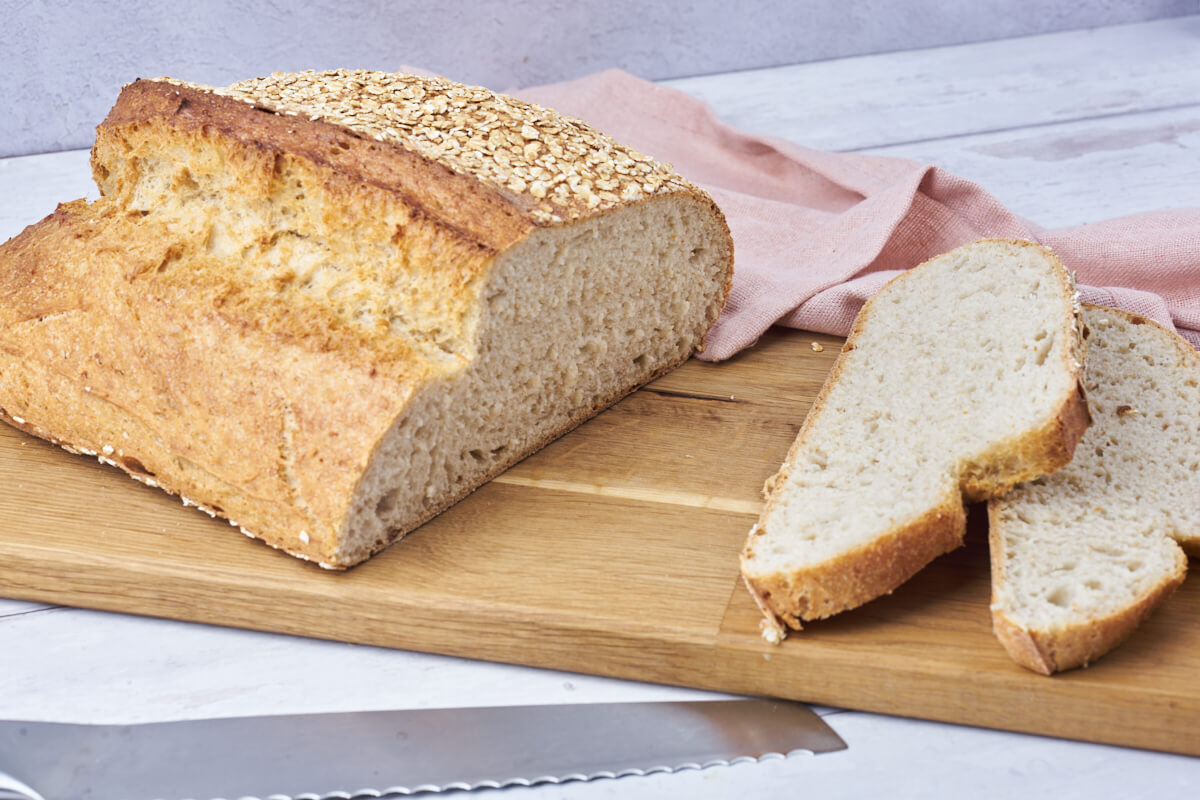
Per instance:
{"type": "Point", "coordinates": [32, 186]}
{"type": "Point", "coordinates": [1078, 172]}
{"type": "Point", "coordinates": [880, 100]}
{"type": "Point", "coordinates": [91, 666]}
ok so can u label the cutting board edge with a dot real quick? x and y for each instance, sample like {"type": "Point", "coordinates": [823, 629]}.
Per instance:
{"type": "Point", "coordinates": [1165, 725]}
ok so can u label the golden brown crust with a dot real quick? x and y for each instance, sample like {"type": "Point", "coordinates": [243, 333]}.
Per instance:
{"type": "Point", "coordinates": [1039, 452]}
{"type": "Point", "coordinates": [481, 213]}
{"type": "Point", "coordinates": [100, 354]}
{"type": "Point", "coordinates": [873, 569]}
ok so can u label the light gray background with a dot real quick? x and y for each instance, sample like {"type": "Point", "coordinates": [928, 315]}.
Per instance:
{"type": "Point", "coordinates": [64, 62]}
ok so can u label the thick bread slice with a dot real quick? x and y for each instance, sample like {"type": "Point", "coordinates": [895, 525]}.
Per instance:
{"type": "Point", "coordinates": [1081, 557]}
{"type": "Point", "coordinates": [959, 378]}
{"type": "Point", "coordinates": [328, 305]}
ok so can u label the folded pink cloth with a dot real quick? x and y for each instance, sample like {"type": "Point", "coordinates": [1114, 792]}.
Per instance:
{"type": "Point", "coordinates": [816, 233]}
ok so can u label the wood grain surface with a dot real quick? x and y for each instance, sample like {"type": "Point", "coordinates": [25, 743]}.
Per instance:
{"type": "Point", "coordinates": [612, 552]}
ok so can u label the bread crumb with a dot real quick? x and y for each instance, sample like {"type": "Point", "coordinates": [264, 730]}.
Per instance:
{"type": "Point", "coordinates": [771, 631]}
{"type": "Point", "coordinates": [817, 347]}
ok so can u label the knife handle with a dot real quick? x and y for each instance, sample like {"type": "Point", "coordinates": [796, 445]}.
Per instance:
{"type": "Point", "coordinates": [13, 789]}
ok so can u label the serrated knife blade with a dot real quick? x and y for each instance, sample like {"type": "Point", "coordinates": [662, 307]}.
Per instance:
{"type": "Point", "coordinates": [374, 754]}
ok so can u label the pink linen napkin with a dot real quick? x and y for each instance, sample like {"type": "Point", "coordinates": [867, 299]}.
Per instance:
{"type": "Point", "coordinates": [816, 233]}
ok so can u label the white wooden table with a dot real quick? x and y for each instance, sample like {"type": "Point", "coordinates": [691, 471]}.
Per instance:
{"type": "Point", "coordinates": [1064, 129]}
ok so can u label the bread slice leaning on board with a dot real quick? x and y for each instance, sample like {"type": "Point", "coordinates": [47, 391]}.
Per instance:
{"type": "Point", "coordinates": [326, 306]}
{"type": "Point", "coordinates": [959, 379]}
{"type": "Point", "coordinates": [1081, 557]}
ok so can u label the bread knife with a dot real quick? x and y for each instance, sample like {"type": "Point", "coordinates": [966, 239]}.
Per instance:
{"type": "Point", "coordinates": [372, 754]}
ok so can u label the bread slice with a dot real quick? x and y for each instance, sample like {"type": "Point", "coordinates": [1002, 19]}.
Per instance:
{"type": "Point", "coordinates": [961, 377]}
{"type": "Point", "coordinates": [328, 305]}
{"type": "Point", "coordinates": [1081, 557]}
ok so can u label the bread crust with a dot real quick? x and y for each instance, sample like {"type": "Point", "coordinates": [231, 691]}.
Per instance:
{"type": "Point", "coordinates": [1041, 452]}
{"type": "Point", "coordinates": [871, 570]}
{"type": "Point", "coordinates": [107, 350]}
{"type": "Point", "coordinates": [489, 218]}
{"type": "Point", "coordinates": [898, 553]}
{"type": "Point", "coordinates": [117, 367]}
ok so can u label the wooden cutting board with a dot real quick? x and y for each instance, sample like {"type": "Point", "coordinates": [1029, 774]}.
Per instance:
{"type": "Point", "coordinates": [613, 551]}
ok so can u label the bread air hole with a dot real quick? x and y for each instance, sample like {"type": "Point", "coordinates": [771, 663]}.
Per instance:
{"type": "Point", "coordinates": [387, 503]}
{"type": "Point", "coordinates": [1043, 351]}
{"type": "Point", "coordinates": [1060, 597]}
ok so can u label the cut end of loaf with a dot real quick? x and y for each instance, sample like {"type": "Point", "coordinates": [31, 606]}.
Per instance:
{"type": "Point", "coordinates": [578, 317]}
{"type": "Point", "coordinates": [907, 424]}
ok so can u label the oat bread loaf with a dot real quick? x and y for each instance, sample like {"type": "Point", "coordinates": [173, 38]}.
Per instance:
{"type": "Point", "coordinates": [326, 306]}
{"type": "Point", "coordinates": [1081, 557]}
{"type": "Point", "coordinates": [959, 379]}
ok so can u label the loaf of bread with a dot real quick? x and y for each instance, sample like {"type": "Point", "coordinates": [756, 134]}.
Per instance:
{"type": "Point", "coordinates": [960, 378]}
{"type": "Point", "coordinates": [326, 306]}
{"type": "Point", "coordinates": [1081, 557]}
